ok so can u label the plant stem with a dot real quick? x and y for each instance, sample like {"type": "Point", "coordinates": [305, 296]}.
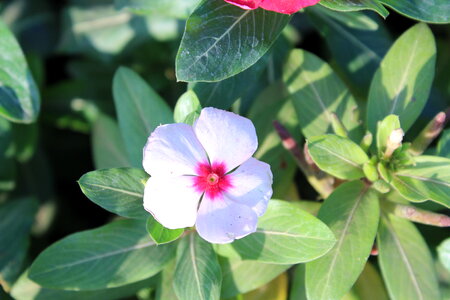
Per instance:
{"type": "Point", "coordinates": [322, 182]}
{"type": "Point", "coordinates": [417, 215]}
{"type": "Point", "coordinates": [428, 134]}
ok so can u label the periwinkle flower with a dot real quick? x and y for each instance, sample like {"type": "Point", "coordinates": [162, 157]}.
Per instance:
{"type": "Point", "coordinates": [280, 6]}
{"type": "Point", "coordinates": [205, 175]}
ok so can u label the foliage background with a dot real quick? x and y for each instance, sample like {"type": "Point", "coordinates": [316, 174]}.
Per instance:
{"type": "Point", "coordinates": [74, 48]}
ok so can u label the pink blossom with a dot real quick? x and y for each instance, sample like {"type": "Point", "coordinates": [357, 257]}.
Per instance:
{"type": "Point", "coordinates": [280, 6]}
{"type": "Point", "coordinates": [205, 175]}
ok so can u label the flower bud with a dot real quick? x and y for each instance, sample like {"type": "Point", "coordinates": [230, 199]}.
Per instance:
{"type": "Point", "coordinates": [394, 141]}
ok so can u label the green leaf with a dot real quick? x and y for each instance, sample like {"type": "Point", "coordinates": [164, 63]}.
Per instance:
{"type": "Point", "coordinates": [8, 167]}
{"type": "Point", "coordinates": [139, 109]}
{"type": "Point", "coordinates": [428, 179]}
{"type": "Point", "coordinates": [116, 254]}
{"type": "Point", "coordinates": [224, 93]}
{"type": "Point", "coordinates": [369, 285]}
{"type": "Point", "coordinates": [186, 105]}
{"type": "Point", "coordinates": [25, 289]}
{"type": "Point", "coordinates": [443, 146]}
{"type": "Point", "coordinates": [402, 83]}
{"type": "Point", "coordinates": [273, 104]}
{"type": "Point", "coordinates": [338, 156]}
{"type": "Point", "coordinates": [215, 47]}
{"type": "Point", "coordinates": [107, 144]}
{"type": "Point", "coordinates": [241, 276]}
{"type": "Point", "coordinates": [432, 11]}
{"type": "Point", "coordinates": [25, 140]}
{"type": "Point", "coordinates": [103, 32]}
{"type": "Point", "coordinates": [357, 42]}
{"type": "Point", "coordinates": [384, 130]}
{"type": "Point", "coordinates": [316, 93]}
{"type": "Point", "coordinates": [19, 96]}
{"type": "Point", "coordinates": [444, 253]}
{"type": "Point", "coordinates": [120, 191]}
{"type": "Point", "coordinates": [16, 218]}
{"type": "Point", "coordinates": [160, 234]}
{"type": "Point", "coordinates": [285, 235]}
{"type": "Point", "coordinates": [197, 273]}
{"type": "Point", "coordinates": [164, 289]}
{"type": "Point", "coordinates": [175, 8]}
{"type": "Point", "coordinates": [298, 288]}
{"type": "Point", "coordinates": [352, 213]}
{"type": "Point", "coordinates": [405, 261]}
{"type": "Point", "coordinates": [350, 5]}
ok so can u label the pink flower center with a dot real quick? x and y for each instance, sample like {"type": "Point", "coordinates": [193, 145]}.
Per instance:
{"type": "Point", "coordinates": [212, 180]}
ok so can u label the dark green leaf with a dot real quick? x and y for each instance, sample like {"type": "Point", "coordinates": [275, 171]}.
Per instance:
{"type": "Point", "coordinates": [298, 288]}
{"type": "Point", "coordinates": [432, 11]}
{"type": "Point", "coordinates": [285, 235]}
{"type": "Point", "coordinates": [428, 179]}
{"type": "Point", "coordinates": [241, 276]}
{"type": "Point", "coordinates": [120, 191]}
{"type": "Point", "coordinates": [25, 289]}
{"type": "Point", "coordinates": [358, 43]}
{"type": "Point", "coordinates": [197, 273]}
{"type": "Point", "coordinates": [273, 104]}
{"type": "Point", "coordinates": [352, 213]}
{"type": "Point", "coordinates": [19, 96]}
{"type": "Point", "coordinates": [405, 261]}
{"type": "Point", "coordinates": [316, 93]}
{"type": "Point", "coordinates": [164, 288]}
{"type": "Point", "coordinates": [443, 146]}
{"type": "Point", "coordinates": [369, 285]}
{"type": "Point", "coordinates": [160, 234]}
{"type": "Point", "coordinates": [402, 83]}
{"type": "Point", "coordinates": [355, 5]}
{"type": "Point", "coordinates": [114, 255]}
{"type": "Point", "coordinates": [338, 156]}
{"type": "Point", "coordinates": [139, 109]}
{"type": "Point", "coordinates": [215, 47]}
{"type": "Point", "coordinates": [107, 144]}
{"type": "Point", "coordinates": [16, 218]}
{"type": "Point", "coordinates": [175, 8]}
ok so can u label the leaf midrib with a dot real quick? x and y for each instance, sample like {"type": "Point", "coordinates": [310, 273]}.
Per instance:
{"type": "Point", "coordinates": [338, 156]}
{"type": "Point", "coordinates": [194, 266]}
{"type": "Point", "coordinates": [114, 189]}
{"type": "Point", "coordinates": [405, 259]}
{"type": "Point", "coordinates": [219, 39]}
{"type": "Point", "coordinates": [342, 237]}
{"type": "Point", "coordinates": [270, 232]}
{"type": "Point", "coordinates": [426, 179]}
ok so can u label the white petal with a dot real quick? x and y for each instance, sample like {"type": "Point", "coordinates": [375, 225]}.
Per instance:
{"type": "Point", "coordinates": [252, 185]}
{"type": "Point", "coordinates": [226, 137]}
{"type": "Point", "coordinates": [222, 221]}
{"type": "Point", "coordinates": [172, 201]}
{"type": "Point", "coordinates": [173, 149]}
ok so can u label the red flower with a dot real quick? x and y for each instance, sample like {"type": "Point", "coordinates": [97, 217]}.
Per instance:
{"type": "Point", "coordinates": [280, 6]}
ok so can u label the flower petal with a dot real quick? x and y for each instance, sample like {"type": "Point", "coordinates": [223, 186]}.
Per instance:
{"type": "Point", "coordinates": [252, 185]}
{"type": "Point", "coordinates": [286, 6]}
{"type": "Point", "coordinates": [227, 137]}
{"type": "Point", "coordinates": [222, 221]}
{"type": "Point", "coordinates": [173, 150]}
{"type": "Point", "coordinates": [245, 4]}
{"type": "Point", "coordinates": [172, 201]}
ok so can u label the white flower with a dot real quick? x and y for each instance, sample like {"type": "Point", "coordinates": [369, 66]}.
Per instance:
{"type": "Point", "coordinates": [205, 175]}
